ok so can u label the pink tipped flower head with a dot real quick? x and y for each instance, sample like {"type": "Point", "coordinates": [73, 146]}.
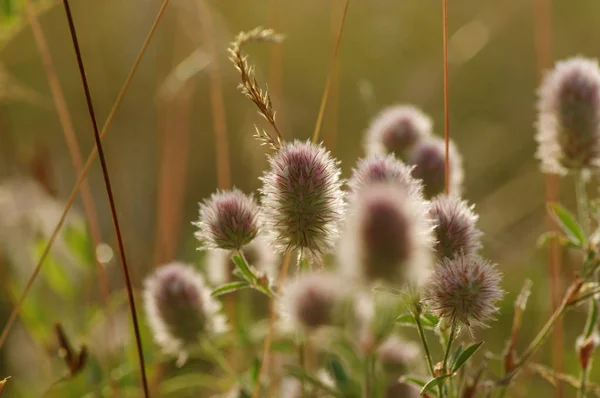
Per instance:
{"type": "Point", "coordinates": [396, 130]}
{"type": "Point", "coordinates": [219, 264]}
{"type": "Point", "coordinates": [428, 157]}
{"type": "Point", "coordinates": [455, 229]}
{"type": "Point", "coordinates": [228, 220]}
{"type": "Point", "coordinates": [377, 168]}
{"type": "Point", "coordinates": [302, 202]}
{"type": "Point", "coordinates": [387, 237]}
{"type": "Point", "coordinates": [179, 308]}
{"type": "Point", "coordinates": [569, 117]}
{"type": "Point", "coordinates": [311, 301]}
{"type": "Point", "coordinates": [466, 289]}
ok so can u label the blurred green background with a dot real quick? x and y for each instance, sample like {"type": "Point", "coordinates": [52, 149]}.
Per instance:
{"type": "Point", "coordinates": [161, 148]}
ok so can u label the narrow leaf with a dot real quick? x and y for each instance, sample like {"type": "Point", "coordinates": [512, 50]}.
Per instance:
{"type": "Point", "coordinates": [431, 384]}
{"type": "Point", "coordinates": [592, 320]}
{"type": "Point", "coordinates": [465, 355]}
{"type": "Point", "coordinates": [567, 223]}
{"type": "Point", "coordinates": [414, 380]}
{"type": "Point", "coordinates": [229, 288]}
{"type": "Point", "coordinates": [244, 269]}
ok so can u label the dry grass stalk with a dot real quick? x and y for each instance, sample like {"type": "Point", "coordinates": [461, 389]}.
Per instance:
{"type": "Point", "coordinates": [330, 74]}
{"type": "Point", "coordinates": [17, 308]}
{"type": "Point", "coordinates": [249, 85]}
{"type": "Point", "coordinates": [543, 54]}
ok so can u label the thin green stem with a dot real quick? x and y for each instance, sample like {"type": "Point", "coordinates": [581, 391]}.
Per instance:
{"type": "Point", "coordinates": [369, 372]}
{"type": "Point", "coordinates": [417, 319]}
{"type": "Point", "coordinates": [581, 392]}
{"type": "Point", "coordinates": [449, 345]}
{"type": "Point", "coordinates": [220, 360]}
{"type": "Point", "coordinates": [582, 203]}
{"type": "Point", "coordinates": [302, 360]}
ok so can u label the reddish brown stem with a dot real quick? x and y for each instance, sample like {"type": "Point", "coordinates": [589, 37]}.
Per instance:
{"type": "Point", "coordinates": [109, 193]}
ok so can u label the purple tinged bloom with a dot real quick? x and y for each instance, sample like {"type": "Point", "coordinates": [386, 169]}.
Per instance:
{"type": "Point", "coordinates": [455, 227]}
{"type": "Point", "coordinates": [312, 300]}
{"type": "Point", "coordinates": [428, 157]}
{"type": "Point", "coordinates": [179, 308]}
{"type": "Point", "coordinates": [379, 168]}
{"type": "Point", "coordinates": [568, 127]}
{"type": "Point", "coordinates": [387, 237]}
{"type": "Point", "coordinates": [302, 199]}
{"type": "Point", "coordinates": [228, 220]}
{"type": "Point", "coordinates": [465, 288]}
{"type": "Point", "coordinates": [396, 129]}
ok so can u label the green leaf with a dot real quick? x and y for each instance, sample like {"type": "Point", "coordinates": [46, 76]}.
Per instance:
{"type": "Point", "coordinates": [592, 319]}
{"type": "Point", "coordinates": [465, 355]}
{"type": "Point", "coordinates": [567, 223]}
{"type": "Point", "coordinates": [414, 380]}
{"type": "Point", "coordinates": [431, 384]}
{"type": "Point", "coordinates": [457, 353]}
{"type": "Point", "coordinates": [244, 268]}
{"type": "Point", "coordinates": [427, 321]}
{"type": "Point", "coordinates": [229, 288]}
{"type": "Point", "coordinates": [255, 370]}
{"type": "Point", "coordinates": [301, 375]}
{"type": "Point", "coordinates": [54, 273]}
{"type": "Point", "coordinates": [78, 241]}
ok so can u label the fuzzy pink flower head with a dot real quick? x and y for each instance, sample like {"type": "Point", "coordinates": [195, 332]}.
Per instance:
{"type": "Point", "coordinates": [455, 227]}
{"type": "Point", "coordinates": [568, 128]}
{"type": "Point", "coordinates": [179, 307]}
{"type": "Point", "coordinates": [384, 168]}
{"type": "Point", "coordinates": [428, 157]}
{"type": "Point", "coordinates": [387, 237]}
{"type": "Point", "coordinates": [228, 220]}
{"type": "Point", "coordinates": [311, 301]}
{"type": "Point", "coordinates": [396, 129]}
{"type": "Point", "coordinates": [465, 288]}
{"type": "Point", "coordinates": [302, 199]}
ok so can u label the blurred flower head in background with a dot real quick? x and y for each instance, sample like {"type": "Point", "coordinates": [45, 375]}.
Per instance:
{"type": "Point", "coordinates": [568, 127]}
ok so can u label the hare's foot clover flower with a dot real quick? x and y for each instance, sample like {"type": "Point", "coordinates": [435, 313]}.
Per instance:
{"type": "Point", "coordinates": [464, 289]}
{"type": "Point", "coordinates": [228, 221]}
{"type": "Point", "coordinates": [180, 309]}
{"type": "Point", "coordinates": [429, 159]}
{"type": "Point", "coordinates": [568, 127]}
{"type": "Point", "coordinates": [388, 237]}
{"type": "Point", "coordinates": [455, 227]}
{"type": "Point", "coordinates": [396, 129]}
{"type": "Point", "coordinates": [302, 199]}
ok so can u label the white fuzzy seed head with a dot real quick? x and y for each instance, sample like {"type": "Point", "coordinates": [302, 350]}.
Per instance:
{"type": "Point", "coordinates": [302, 199]}
{"type": "Point", "coordinates": [455, 227]}
{"type": "Point", "coordinates": [387, 237]}
{"type": "Point", "coordinates": [397, 355]}
{"type": "Point", "coordinates": [228, 220]}
{"type": "Point", "coordinates": [429, 159]}
{"type": "Point", "coordinates": [466, 288]}
{"type": "Point", "coordinates": [568, 127]}
{"type": "Point", "coordinates": [396, 129]}
{"type": "Point", "coordinates": [179, 308]}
